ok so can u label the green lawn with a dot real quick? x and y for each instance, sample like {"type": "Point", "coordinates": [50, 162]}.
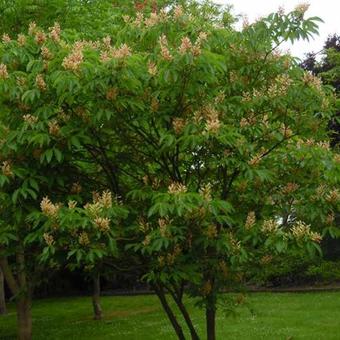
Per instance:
{"type": "Point", "coordinates": [277, 316]}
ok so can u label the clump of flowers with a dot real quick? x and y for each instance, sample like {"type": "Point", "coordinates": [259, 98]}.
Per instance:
{"type": "Point", "coordinates": [280, 86]}
{"type": "Point", "coordinates": [270, 227]}
{"type": "Point", "coordinates": [311, 80]}
{"type": "Point", "coordinates": [178, 124]}
{"type": "Point", "coordinates": [21, 39]}
{"type": "Point", "coordinates": [178, 12]}
{"type": "Point", "coordinates": [71, 204]}
{"type": "Point", "coordinates": [46, 54]}
{"type": "Point", "coordinates": [32, 28]}
{"type": "Point", "coordinates": [302, 8]}
{"type": "Point", "coordinates": [73, 61]}
{"type": "Point", "coordinates": [152, 68]}
{"type": "Point", "coordinates": [186, 45]}
{"type": "Point", "coordinates": [213, 123]}
{"type": "Point", "coordinates": [6, 38]}
{"type": "Point", "coordinates": [55, 31]}
{"type": "Point", "coordinates": [290, 188]}
{"type": "Point", "coordinates": [6, 169]}
{"type": "Point", "coordinates": [333, 196]}
{"type": "Point", "coordinates": [300, 230]}
{"type": "Point", "coordinates": [163, 224]}
{"type": "Point", "coordinates": [48, 208]}
{"type": "Point", "coordinates": [30, 119]}
{"type": "Point", "coordinates": [205, 192]}
{"type": "Point", "coordinates": [3, 71]}
{"type": "Point", "coordinates": [211, 231]}
{"type": "Point", "coordinates": [48, 239]}
{"type": "Point", "coordinates": [117, 53]}
{"type": "Point", "coordinates": [163, 42]}
{"type": "Point", "coordinates": [53, 127]}
{"type": "Point", "coordinates": [251, 220]}
{"type": "Point", "coordinates": [40, 82]}
{"type": "Point", "coordinates": [76, 188]}
{"type": "Point", "coordinates": [84, 239]}
{"type": "Point", "coordinates": [40, 37]}
{"type": "Point", "coordinates": [103, 224]}
{"type": "Point", "coordinates": [177, 188]}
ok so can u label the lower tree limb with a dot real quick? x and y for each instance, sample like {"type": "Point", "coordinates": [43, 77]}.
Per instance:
{"type": "Point", "coordinates": [177, 327]}
{"type": "Point", "coordinates": [97, 309]}
{"type": "Point", "coordinates": [3, 309]}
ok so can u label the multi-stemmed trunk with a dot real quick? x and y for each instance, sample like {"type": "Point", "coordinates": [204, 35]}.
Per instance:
{"type": "Point", "coordinates": [170, 314]}
{"type": "Point", "coordinates": [97, 309]}
{"type": "Point", "coordinates": [3, 309]}
{"type": "Point", "coordinates": [178, 298]}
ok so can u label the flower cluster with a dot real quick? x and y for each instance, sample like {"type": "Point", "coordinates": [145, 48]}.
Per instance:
{"type": "Point", "coordinates": [177, 188]}
{"type": "Point", "coordinates": [40, 82]}
{"type": "Point", "coordinates": [6, 38]}
{"type": "Point", "coordinates": [55, 32]}
{"type": "Point", "coordinates": [178, 124]}
{"type": "Point", "coordinates": [302, 8]}
{"type": "Point", "coordinates": [280, 86]}
{"type": "Point", "coordinates": [311, 80]}
{"type": "Point", "coordinates": [115, 53]}
{"type": "Point", "coordinates": [30, 119]}
{"type": "Point", "coordinates": [163, 226]}
{"type": "Point", "coordinates": [211, 231]}
{"type": "Point", "coordinates": [40, 37]}
{"type": "Point", "coordinates": [32, 27]}
{"type": "Point", "coordinates": [73, 61]}
{"type": "Point", "coordinates": [45, 53]}
{"type": "Point", "coordinates": [48, 208]}
{"type": "Point", "coordinates": [205, 192]}
{"type": "Point", "coordinates": [333, 196]}
{"type": "Point", "coordinates": [213, 123]}
{"type": "Point", "coordinates": [3, 71]}
{"type": "Point", "coordinates": [112, 93]}
{"type": "Point", "coordinates": [152, 68]}
{"type": "Point", "coordinates": [178, 12]}
{"type": "Point", "coordinates": [6, 169]}
{"type": "Point", "coordinates": [103, 224]}
{"type": "Point", "coordinates": [290, 188]}
{"type": "Point", "coordinates": [21, 39]}
{"type": "Point", "coordinates": [300, 230]}
{"type": "Point", "coordinates": [251, 220]}
{"type": "Point", "coordinates": [48, 239]}
{"type": "Point", "coordinates": [270, 227]}
{"type": "Point", "coordinates": [71, 204]}
{"type": "Point", "coordinates": [163, 42]}
{"type": "Point", "coordinates": [53, 127]}
{"type": "Point", "coordinates": [84, 239]}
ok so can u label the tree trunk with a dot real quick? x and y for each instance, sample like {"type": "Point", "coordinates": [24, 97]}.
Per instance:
{"type": "Point", "coordinates": [3, 309]}
{"type": "Point", "coordinates": [210, 314]}
{"type": "Point", "coordinates": [177, 327]}
{"type": "Point", "coordinates": [186, 316]}
{"type": "Point", "coordinates": [24, 318]}
{"type": "Point", "coordinates": [97, 309]}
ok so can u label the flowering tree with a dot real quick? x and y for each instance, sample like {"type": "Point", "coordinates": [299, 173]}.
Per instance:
{"type": "Point", "coordinates": [84, 235]}
{"type": "Point", "coordinates": [214, 141]}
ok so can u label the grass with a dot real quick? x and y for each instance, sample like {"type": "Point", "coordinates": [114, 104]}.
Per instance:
{"type": "Point", "coordinates": [276, 316]}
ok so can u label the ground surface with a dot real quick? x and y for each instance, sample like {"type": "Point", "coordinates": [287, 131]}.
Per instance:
{"type": "Point", "coordinates": [276, 316]}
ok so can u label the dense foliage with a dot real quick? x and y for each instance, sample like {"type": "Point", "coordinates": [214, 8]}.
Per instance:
{"type": "Point", "coordinates": [194, 152]}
